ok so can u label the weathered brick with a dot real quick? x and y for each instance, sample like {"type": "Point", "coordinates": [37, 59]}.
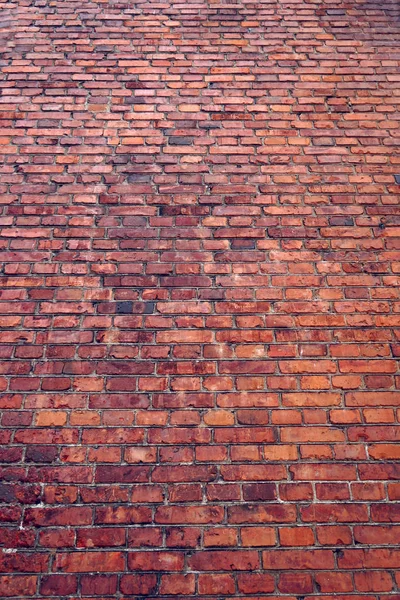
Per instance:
{"type": "Point", "coordinates": [18, 585]}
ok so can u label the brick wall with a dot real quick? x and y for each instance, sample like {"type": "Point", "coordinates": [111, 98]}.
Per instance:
{"type": "Point", "coordinates": [200, 232]}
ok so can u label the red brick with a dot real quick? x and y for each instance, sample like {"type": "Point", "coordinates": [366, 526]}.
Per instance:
{"type": "Point", "coordinates": [296, 536]}
{"type": "Point", "coordinates": [186, 537]}
{"type": "Point", "coordinates": [22, 562]}
{"type": "Point", "coordinates": [189, 514]}
{"type": "Point", "coordinates": [100, 537]}
{"type": "Point", "coordinates": [295, 583]}
{"type": "Point", "coordinates": [138, 584]}
{"type": "Point", "coordinates": [224, 560]}
{"type": "Point", "coordinates": [258, 536]}
{"type": "Point", "coordinates": [262, 513]}
{"type": "Point", "coordinates": [393, 491]}
{"type": "Point", "coordinates": [79, 562]}
{"type": "Point", "coordinates": [177, 584]}
{"type": "Point", "coordinates": [334, 535]}
{"type": "Point", "coordinates": [18, 585]}
{"type": "Point", "coordinates": [334, 582]}
{"type": "Point", "coordinates": [297, 559]}
{"type": "Point", "coordinates": [155, 561]}
{"type": "Point", "coordinates": [122, 514]}
{"type": "Point", "coordinates": [295, 491]}
{"type": "Point", "coordinates": [373, 558]}
{"type": "Point", "coordinates": [53, 585]}
{"type": "Point", "coordinates": [98, 585]}
{"type": "Point", "coordinates": [223, 536]}
{"type": "Point", "coordinates": [216, 584]}
{"type": "Point", "coordinates": [57, 538]}
{"type": "Point", "coordinates": [373, 581]}
{"type": "Point", "coordinates": [255, 583]}
{"type": "Point", "coordinates": [48, 517]}
{"type": "Point", "coordinates": [340, 513]}
{"type": "Point", "coordinates": [321, 472]}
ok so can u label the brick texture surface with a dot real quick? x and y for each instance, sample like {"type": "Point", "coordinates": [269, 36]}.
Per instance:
{"type": "Point", "coordinates": [199, 306]}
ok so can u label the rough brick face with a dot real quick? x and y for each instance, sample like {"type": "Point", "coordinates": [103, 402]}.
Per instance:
{"type": "Point", "coordinates": [199, 305]}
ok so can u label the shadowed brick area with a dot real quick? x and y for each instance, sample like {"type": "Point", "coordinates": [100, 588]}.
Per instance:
{"type": "Point", "coordinates": [199, 306]}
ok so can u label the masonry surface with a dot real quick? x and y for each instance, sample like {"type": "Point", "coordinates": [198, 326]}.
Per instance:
{"type": "Point", "coordinates": [199, 306]}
